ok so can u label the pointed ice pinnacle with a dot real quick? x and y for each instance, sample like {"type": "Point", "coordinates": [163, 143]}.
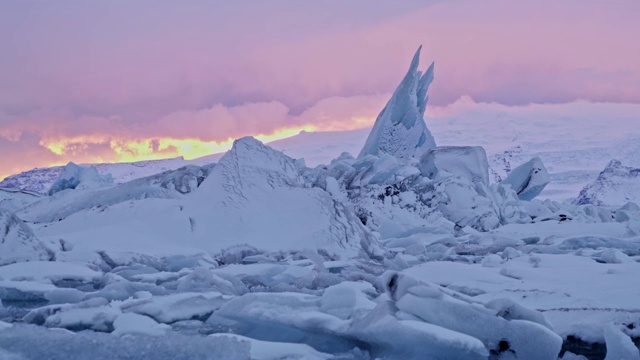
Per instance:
{"type": "Point", "coordinates": [400, 129]}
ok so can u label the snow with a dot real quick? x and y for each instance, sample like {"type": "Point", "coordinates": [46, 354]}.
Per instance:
{"type": "Point", "coordinates": [411, 339]}
{"type": "Point", "coordinates": [175, 307]}
{"type": "Point", "coordinates": [619, 345]}
{"type": "Point", "coordinates": [264, 350]}
{"type": "Point", "coordinates": [575, 293]}
{"type": "Point", "coordinates": [126, 324]}
{"type": "Point", "coordinates": [33, 342]}
{"type": "Point", "coordinates": [400, 129]}
{"type": "Point", "coordinates": [14, 199]}
{"type": "Point", "coordinates": [525, 339]}
{"type": "Point", "coordinates": [253, 190]}
{"type": "Point", "coordinates": [99, 318]}
{"type": "Point", "coordinates": [45, 271]}
{"type": "Point", "coordinates": [64, 204]}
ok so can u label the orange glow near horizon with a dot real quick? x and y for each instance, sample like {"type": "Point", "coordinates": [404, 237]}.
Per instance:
{"type": "Point", "coordinates": [132, 150]}
{"type": "Point", "coordinates": [94, 149]}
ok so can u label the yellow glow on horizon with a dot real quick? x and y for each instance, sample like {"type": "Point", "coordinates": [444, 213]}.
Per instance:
{"type": "Point", "coordinates": [131, 150]}
{"type": "Point", "coordinates": [108, 148]}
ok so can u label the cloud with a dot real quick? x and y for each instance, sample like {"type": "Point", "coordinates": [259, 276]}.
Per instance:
{"type": "Point", "coordinates": [122, 81]}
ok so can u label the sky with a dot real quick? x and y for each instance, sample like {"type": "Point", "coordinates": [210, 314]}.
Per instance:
{"type": "Point", "coordinates": [88, 81]}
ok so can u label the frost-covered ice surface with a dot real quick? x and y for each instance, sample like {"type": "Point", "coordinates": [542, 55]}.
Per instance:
{"type": "Point", "coordinates": [410, 254]}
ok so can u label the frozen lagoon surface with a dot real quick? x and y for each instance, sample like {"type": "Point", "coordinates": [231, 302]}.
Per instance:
{"type": "Point", "coordinates": [406, 252]}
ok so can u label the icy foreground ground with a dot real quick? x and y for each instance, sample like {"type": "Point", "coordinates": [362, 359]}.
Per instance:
{"type": "Point", "coordinates": [396, 254]}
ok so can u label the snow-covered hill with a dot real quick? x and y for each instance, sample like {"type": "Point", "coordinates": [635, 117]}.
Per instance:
{"type": "Point", "coordinates": [616, 184]}
{"type": "Point", "coordinates": [393, 254]}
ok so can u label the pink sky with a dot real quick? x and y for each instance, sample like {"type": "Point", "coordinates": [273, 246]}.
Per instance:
{"type": "Point", "coordinates": [111, 81]}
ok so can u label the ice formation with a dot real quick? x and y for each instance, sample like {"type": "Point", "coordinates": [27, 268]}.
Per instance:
{"type": "Point", "coordinates": [183, 180]}
{"type": "Point", "coordinates": [469, 162]}
{"type": "Point", "coordinates": [254, 189]}
{"type": "Point", "coordinates": [77, 177]}
{"type": "Point", "coordinates": [18, 243]}
{"type": "Point", "coordinates": [529, 179]}
{"type": "Point", "coordinates": [400, 129]}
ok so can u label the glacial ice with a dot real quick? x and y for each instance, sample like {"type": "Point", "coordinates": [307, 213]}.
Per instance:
{"type": "Point", "coordinates": [183, 180]}
{"type": "Point", "coordinates": [469, 162]}
{"type": "Point", "coordinates": [529, 179]}
{"type": "Point", "coordinates": [77, 177]}
{"type": "Point", "coordinates": [400, 129]}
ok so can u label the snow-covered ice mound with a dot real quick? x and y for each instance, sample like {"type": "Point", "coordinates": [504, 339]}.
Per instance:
{"type": "Point", "coordinates": [14, 199]}
{"type": "Point", "coordinates": [578, 295]}
{"type": "Point", "coordinates": [616, 185]}
{"type": "Point", "coordinates": [256, 196]}
{"type": "Point", "coordinates": [64, 204]}
{"type": "Point", "coordinates": [400, 129]}
{"type": "Point", "coordinates": [467, 327]}
{"type": "Point", "coordinates": [529, 179]}
{"type": "Point", "coordinates": [18, 242]}
{"type": "Point", "coordinates": [78, 177]}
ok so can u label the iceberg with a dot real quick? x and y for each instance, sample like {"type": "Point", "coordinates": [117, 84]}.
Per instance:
{"type": "Point", "coordinates": [400, 129]}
